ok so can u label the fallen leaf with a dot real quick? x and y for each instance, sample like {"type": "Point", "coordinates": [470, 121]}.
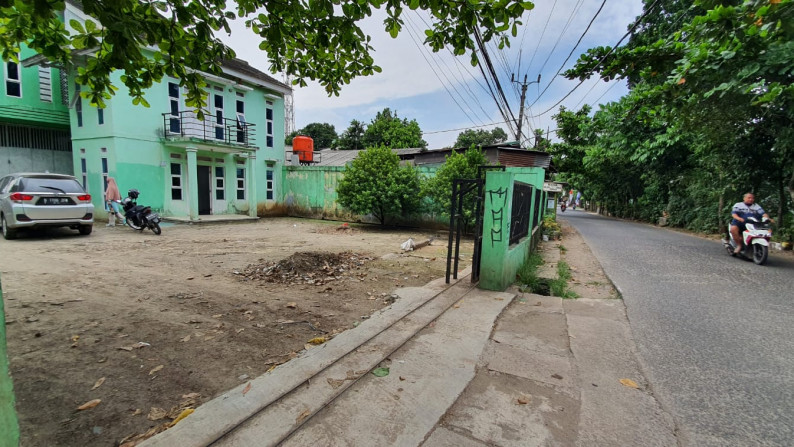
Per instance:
{"type": "Point", "coordinates": [191, 396]}
{"type": "Point", "coordinates": [75, 338]}
{"type": "Point", "coordinates": [629, 383]}
{"type": "Point", "coordinates": [335, 383]}
{"type": "Point", "coordinates": [247, 389]}
{"type": "Point", "coordinates": [90, 404]}
{"type": "Point", "coordinates": [302, 416]}
{"type": "Point", "coordinates": [292, 305]}
{"type": "Point", "coordinates": [98, 383]}
{"type": "Point", "coordinates": [523, 400]}
{"type": "Point", "coordinates": [380, 372]}
{"type": "Point", "coordinates": [187, 338]}
{"type": "Point", "coordinates": [137, 412]}
{"type": "Point", "coordinates": [140, 344]}
{"type": "Point", "coordinates": [126, 348]}
{"type": "Point", "coordinates": [556, 376]}
{"type": "Point", "coordinates": [156, 414]}
{"type": "Point", "coordinates": [185, 413]}
{"type": "Point", "coordinates": [402, 378]}
{"type": "Point", "coordinates": [155, 369]}
{"type": "Point", "coordinates": [318, 340]}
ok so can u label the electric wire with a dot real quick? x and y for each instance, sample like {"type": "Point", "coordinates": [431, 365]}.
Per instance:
{"type": "Point", "coordinates": [601, 61]}
{"type": "Point", "coordinates": [422, 51]}
{"type": "Point", "coordinates": [412, 26]}
{"type": "Point", "coordinates": [571, 53]}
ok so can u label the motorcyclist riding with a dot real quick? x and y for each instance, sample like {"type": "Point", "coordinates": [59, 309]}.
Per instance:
{"type": "Point", "coordinates": [741, 212]}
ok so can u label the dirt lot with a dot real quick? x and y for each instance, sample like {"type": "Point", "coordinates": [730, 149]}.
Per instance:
{"type": "Point", "coordinates": [151, 325]}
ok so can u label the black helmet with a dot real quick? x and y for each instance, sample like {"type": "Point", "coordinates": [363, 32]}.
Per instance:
{"type": "Point", "coordinates": [133, 193]}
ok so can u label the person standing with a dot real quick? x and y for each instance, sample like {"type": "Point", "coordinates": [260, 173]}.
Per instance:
{"type": "Point", "coordinates": [112, 198]}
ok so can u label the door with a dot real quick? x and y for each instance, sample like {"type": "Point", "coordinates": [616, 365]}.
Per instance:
{"type": "Point", "coordinates": [204, 190]}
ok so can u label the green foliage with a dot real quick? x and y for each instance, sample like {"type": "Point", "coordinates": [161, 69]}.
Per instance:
{"type": "Point", "coordinates": [352, 138]}
{"type": "Point", "coordinates": [311, 40]}
{"type": "Point", "coordinates": [388, 130]}
{"type": "Point", "coordinates": [709, 115]}
{"type": "Point", "coordinates": [527, 274]}
{"type": "Point", "coordinates": [479, 137]}
{"type": "Point", "coordinates": [559, 286]}
{"type": "Point", "coordinates": [456, 166]}
{"type": "Point", "coordinates": [550, 225]}
{"type": "Point", "coordinates": [376, 184]}
{"type": "Point", "coordinates": [323, 134]}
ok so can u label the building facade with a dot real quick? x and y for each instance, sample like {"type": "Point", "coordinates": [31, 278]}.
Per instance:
{"type": "Point", "coordinates": [185, 165]}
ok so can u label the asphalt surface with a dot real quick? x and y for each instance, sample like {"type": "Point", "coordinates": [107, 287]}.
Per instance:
{"type": "Point", "coordinates": [715, 334]}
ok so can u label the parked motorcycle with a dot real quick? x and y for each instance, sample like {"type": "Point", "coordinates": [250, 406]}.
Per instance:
{"type": "Point", "coordinates": [139, 216]}
{"type": "Point", "coordinates": [756, 241]}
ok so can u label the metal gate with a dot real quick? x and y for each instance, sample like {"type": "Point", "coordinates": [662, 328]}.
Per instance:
{"type": "Point", "coordinates": [460, 189]}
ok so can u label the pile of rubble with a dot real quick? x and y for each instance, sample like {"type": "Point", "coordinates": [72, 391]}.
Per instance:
{"type": "Point", "coordinates": [315, 268]}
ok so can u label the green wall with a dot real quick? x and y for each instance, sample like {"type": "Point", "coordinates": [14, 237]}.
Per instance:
{"type": "Point", "coordinates": [500, 260]}
{"type": "Point", "coordinates": [9, 428]}
{"type": "Point", "coordinates": [29, 108]}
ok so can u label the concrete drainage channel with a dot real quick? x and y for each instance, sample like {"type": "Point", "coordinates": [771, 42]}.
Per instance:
{"type": "Point", "coordinates": [427, 333]}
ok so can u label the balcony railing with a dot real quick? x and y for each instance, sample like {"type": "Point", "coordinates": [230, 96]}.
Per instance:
{"type": "Point", "coordinates": [212, 128]}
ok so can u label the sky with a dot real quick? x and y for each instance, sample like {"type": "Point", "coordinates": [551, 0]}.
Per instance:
{"type": "Point", "coordinates": [421, 85]}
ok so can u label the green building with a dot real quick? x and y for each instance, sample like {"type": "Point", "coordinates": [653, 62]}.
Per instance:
{"type": "Point", "coordinates": [227, 162]}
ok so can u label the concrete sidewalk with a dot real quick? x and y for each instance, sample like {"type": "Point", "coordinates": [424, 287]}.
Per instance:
{"type": "Point", "coordinates": [551, 375]}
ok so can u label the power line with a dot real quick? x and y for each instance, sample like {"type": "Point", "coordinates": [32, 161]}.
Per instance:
{"type": "Point", "coordinates": [415, 28]}
{"type": "Point", "coordinates": [500, 99]}
{"type": "Point", "coordinates": [601, 61]}
{"type": "Point", "coordinates": [422, 51]}
{"type": "Point", "coordinates": [571, 53]}
{"type": "Point", "coordinates": [464, 128]}
{"type": "Point", "coordinates": [542, 33]}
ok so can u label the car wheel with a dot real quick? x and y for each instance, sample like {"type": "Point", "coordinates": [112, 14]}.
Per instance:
{"type": "Point", "coordinates": [8, 233]}
{"type": "Point", "coordinates": [85, 230]}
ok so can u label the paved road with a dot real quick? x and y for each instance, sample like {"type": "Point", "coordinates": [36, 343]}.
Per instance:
{"type": "Point", "coordinates": [716, 334]}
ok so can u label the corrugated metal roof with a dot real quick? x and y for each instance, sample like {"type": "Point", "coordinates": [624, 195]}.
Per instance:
{"type": "Point", "coordinates": [336, 158]}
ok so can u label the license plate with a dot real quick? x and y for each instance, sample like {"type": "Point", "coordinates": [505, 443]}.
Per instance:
{"type": "Point", "coordinates": [154, 218]}
{"type": "Point", "coordinates": [55, 201]}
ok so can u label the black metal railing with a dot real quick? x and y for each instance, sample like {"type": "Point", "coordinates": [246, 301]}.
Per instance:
{"type": "Point", "coordinates": [521, 211]}
{"type": "Point", "coordinates": [211, 128]}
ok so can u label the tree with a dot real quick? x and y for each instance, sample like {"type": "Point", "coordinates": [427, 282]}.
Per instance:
{"type": "Point", "coordinates": [387, 129]}
{"type": "Point", "coordinates": [479, 137]}
{"type": "Point", "coordinates": [312, 40]}
{"type": "Point", "coordinates": [456, 166]}
{"type": "Point", "coordinates": [323, 134]}
{"type": "Point", "coordinates": [352, 138]}
{"type": "Point", "coordinates": [288, 139]}
{"type": "Point", "coordinates": [376, 184]}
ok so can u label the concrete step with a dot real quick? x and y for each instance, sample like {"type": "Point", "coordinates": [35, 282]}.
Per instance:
{"type": "Point", "coordinates": [267, 409]}
{"type": "Point", "coordinates": [427, 375]}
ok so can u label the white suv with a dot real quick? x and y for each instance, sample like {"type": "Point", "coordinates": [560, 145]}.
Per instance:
{"type": "Point", "coordinates": [44, 200]}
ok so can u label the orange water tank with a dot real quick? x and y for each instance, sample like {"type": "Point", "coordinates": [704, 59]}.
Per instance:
{"type": "Point", "coordinates": [304, 147]}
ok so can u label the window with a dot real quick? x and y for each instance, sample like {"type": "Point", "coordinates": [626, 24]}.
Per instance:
{"type": "Point", "coordinates": [45, 84]}
{"type": "Point", "coordinates": [219, 125]}
{"type": "Point", "coordinates": [13, 79]}
{"type": "Point", "coordinates": [174, 124]}
{"type": "Point", "coordinates": [105, 170]}
{"type": "Point", "coordinates": [269, 117]}
{"type": "Point", "coordinates": [100, 116]}
{"type": "Point", "coordinates": [269, 174]}
{"type": "Point", "coordinates": [64, 81]}
{"type": "Point", "coordinates": [176, 181]}
{"type": "Point", "coordinates": [78, 105]}
{"type": "Point", "coordinates": [84, 171]}
{"type": "Point", "coordinates": [241, 128]}
{"type": "Point", "coordinates": [220, 183]}
{"type": "Point", "coordinates": [240, 183]}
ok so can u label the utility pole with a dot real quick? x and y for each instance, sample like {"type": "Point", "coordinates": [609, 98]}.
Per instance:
{"type": "Point", "coordinates": [523, 97]}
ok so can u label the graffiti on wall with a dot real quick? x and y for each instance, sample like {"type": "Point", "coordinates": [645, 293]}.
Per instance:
{"type": "Point", "coordinates": [498, 200]}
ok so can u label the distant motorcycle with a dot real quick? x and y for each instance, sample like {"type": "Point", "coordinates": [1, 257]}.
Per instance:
{"type": "Point", "coordinates": [562, 207]}
{"type": "Point", "coordinates": [756, 241]}
{"type": "Point", "coordinates": [139, 216]}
